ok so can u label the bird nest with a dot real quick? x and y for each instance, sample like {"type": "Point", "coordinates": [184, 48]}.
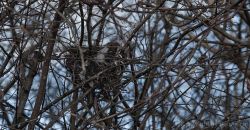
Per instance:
{"type": "Point", "coordinates": [105, 63]}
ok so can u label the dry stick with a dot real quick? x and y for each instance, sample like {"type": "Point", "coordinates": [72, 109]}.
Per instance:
{"type": "Point", "coordinates": [89, 28]}
{"type": "Point", "coordinates": [41, 92]}
{"type": "Point", "coordinates": [100, 32]}
{"type": "Point", "coordinates": [26, 83]}
{"type": "Point", "coordinates": [82, 25]}
{"type": "Point", "coordinates": [73, 111]}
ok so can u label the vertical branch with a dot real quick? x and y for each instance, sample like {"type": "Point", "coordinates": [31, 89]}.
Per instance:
{"type": "Point", "coordinates": [100, 32]}
{"type": "Point", "coordinates": [89, 27]}
{"type": "Point", "coordinates": [76, 80]}
{"type": "Point", "coordinates": [82, 25]}
{"type": "Point", "coordinates": [73, 111]}
{"type": "Point", "coordinates": [51, 42]}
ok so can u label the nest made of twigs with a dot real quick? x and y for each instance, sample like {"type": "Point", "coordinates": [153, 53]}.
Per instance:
{"type": "Point", "coordinates": [109, 69]}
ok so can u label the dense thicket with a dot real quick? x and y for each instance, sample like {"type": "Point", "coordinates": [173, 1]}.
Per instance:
{"type": "Point", "coordinates": [124, 64]}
